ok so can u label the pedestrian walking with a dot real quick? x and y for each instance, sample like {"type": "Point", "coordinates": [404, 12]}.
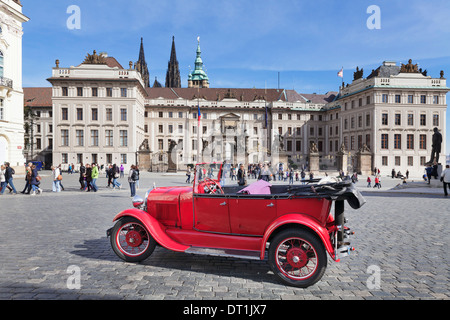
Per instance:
{"type": "Point", "coordinates": [132, 180]}
{"type": "Point", "coordinates": [27, 188]}
{"type": "Point", "coordinates": [9, 172]}
{"type": "Point", "coordinates": [82, 177]}
{"type": "Point", "coordinates": [94, 176]}
{"type": "Point", "coordinates": [122, 174]}
{"type": "Point", "coordinates": [369, 182]}
{"type": "Point", "coordinates": [2, 178]}
{"type": "Point", "coordinates": [429, 171]}
{"type": "Point", "coordinates": [35, 181]}
{"type": "Point", "coordinates": [445, 178]}
{"type": "Point", "coordinates": [188, 174]}
{"type": "Point", "coordinates": [88, 177]}
{"type": "Point", "coordinates": [55, 175]}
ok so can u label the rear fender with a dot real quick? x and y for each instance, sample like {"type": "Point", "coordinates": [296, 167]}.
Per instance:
{"type": "Point", "coordinates": [156, 229]}
{"type": "Point", "coordinates": [301, 220]}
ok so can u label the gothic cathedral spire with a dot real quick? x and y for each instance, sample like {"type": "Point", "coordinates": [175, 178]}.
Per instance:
{"type": "Point", "coordinates": [141, 66]}
{"type": "Point", "coordinates": [173, 79]}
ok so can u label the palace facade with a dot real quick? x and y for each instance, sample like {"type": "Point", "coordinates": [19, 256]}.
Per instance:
{"type": "Point", "coordinates": [105, 113]}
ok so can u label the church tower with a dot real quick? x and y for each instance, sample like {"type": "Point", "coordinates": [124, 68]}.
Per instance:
{"type": "Point", "coordinates": [141, 66]}
{"type": "Point", "coordinates": [173, 79]}
{"type": "Point", "coordinates": [198, 78]}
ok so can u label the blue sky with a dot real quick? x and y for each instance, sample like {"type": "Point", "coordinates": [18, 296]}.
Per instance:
{"type": "Point", "coordinates": [245, 43]}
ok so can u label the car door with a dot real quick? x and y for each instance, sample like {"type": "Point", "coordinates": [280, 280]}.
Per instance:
{"type": "Point", "coordinates": [250, 215]}
{"type": "Point", "coordinates": [211, 213]}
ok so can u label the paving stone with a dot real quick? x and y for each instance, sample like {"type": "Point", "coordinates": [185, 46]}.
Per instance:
{"type": "Point", "coordinates": [404, 235]}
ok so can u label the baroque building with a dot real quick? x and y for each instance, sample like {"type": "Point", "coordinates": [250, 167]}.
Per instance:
{"type": "Point", "coordinates": [98, 112]}
{"type": "Point", "coordinates": [383, 121]}
{"type": "Point", "coordinates": [11, 91]}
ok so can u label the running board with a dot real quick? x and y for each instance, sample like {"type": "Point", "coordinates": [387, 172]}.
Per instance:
{"type": "Point", "coordinates": [231, 253]}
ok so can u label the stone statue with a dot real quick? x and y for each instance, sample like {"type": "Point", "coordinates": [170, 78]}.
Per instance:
{"type": "Point", "coordinates": [94, 59]}
{"type": "Point", "coordinates": [436, 146]}
{"type": "Point", "coordinates": [313, 148]}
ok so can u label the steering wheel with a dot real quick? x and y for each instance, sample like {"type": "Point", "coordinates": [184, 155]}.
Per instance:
{"type": "Point", "coordinates": [213, 186]}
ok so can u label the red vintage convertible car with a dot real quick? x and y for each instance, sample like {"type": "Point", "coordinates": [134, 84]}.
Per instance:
{"type": "Point", "coordinates": [293, 226]}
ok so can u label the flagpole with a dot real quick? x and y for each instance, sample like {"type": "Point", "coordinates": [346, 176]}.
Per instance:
{"type": "Point", "coordinates": [198, 124]}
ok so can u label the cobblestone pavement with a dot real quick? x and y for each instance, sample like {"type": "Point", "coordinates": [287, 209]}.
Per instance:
{"type": "Point", "coordinates": [400, 237]}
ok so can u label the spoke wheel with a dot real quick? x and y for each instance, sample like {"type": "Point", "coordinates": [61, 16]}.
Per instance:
{"type": "Point", "coordinates": [297, 257]}
{"type": "Point", "coordinates": [131, 241]}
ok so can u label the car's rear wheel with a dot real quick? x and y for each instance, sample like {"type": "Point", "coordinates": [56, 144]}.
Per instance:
{"type": "Point", "coordinates": [297, 257]}
{"type": "Point", "coordinates": [131, 241]}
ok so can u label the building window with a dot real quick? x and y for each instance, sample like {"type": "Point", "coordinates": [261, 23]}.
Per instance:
{"type": "Point", "coordinates": [423, 141]}
{"type": "Point", "coordinates": [435, 99]}
{"type": "Point", "coordinates": [65, 91]}
{"type": "Point", "coordinates": [180, 115]}
{"type": "Point", "coordinates": [435, 120]}
{"type": "Point", "coordinates": [423, 99]}
{"type": "Point", "coordinates": [80, 138]}
{"type": "Point", "coordinates": [397, 161]}
{"type": "Point", "coordinates": [410, 119]}
{"type": "Point", "coordinates": [410, 161]}
{"type": "Point", "coordinates": [423, 161]}
{"type": "Point", "coordinates": [410, 141]}
{"type": "Point", "coordinates": [123, 158]}
{"type": "Point", "coordinates": [79, 91]}
{"type": "Point", "coordinates": [384, 141]}
{"type": "Point", "coordinates": [94, 114]}
{"type": "Point", "coordinates": [123, 114]}
{"type": "Point", "coordinates": [123, 92]}
{"type": "Point", "coordinates": [38, 144]}
{"type": "Point", "coordinates": [397, 98]}
{"type": "Point", "coordinates": [384, 161]}
{"type": "Point", "coordinates": [160, 144]}
{"type": "Point", "coordinates": [289, 146]}
{"type": "Point", "coordinates": [109, 114]}
{"type": "Point", "coordinates": [109, 158]}
{"type": "Point", "coordinates": [94, 138]}
{"type": "Point", "coordinates": [94, 158]}
{"type": "Point", "coordinates": [64, 114]}
{"type": "Point", "coordinates": [410, 99]}
{"type": "Point", "coordinates": [146, 128]}
{"type": "Point", "coordinates": [64, 158]}
{"type": "Point", "coordinates": [65, 138]}
{"type": "Point", "coordinates": [79, 158]}
{"type": "Point", "coordinates": [109, 92]}
{"type": "Point", "coordinates": [160, 114]}
{"type": "Point", "coordinates": [123, 138]}
{"type": "Point", "coordinates": [423, 119]}
{"type": "Point", "coordinates": [384, 98]}
{"type": "Point", "coordinates": [397, 141]}
{"type": "Point", "coordinates": [398, 120]}
{"type": "Point", "coordinates": [384, 119]}
{"type": "Point", "coordinates": [298, 145]}
{"type": "Point", "coordinates": [79, 114]}
{"type": "Point", "coordinates": [368, 120]}
{"type": "Point", "coordinates": [160, 128]}
{"type": "Point", "coordinates": [1, 64]}
{"type": "Point", "coordinates": [95, 92]}
{"type": "Point", "coordinates": [109, 138]}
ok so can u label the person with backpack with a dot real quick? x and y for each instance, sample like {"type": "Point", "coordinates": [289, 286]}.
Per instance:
{"type": "Point", "coordinates": [132, 177]}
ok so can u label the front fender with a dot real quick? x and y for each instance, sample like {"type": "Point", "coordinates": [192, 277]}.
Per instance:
{"type": "Point", "coordinates": [155, 228]}
{"type": "Point", "coordinates": [302, 220]}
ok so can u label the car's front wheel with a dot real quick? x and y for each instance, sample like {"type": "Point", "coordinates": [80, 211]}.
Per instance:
{"type": "Point", "coordinates": [131, 241]}
{"type": "Point", "coordinates": [297, 257]}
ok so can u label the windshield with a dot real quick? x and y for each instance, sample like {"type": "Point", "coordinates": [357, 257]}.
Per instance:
{"type": "Point", "coordinates": [205, 172]}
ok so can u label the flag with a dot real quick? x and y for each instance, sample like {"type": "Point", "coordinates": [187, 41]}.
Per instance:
{"type": "Point", "coordinates": [341, 73]}
{"type": "Point", "coordinates": [199, 115]}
